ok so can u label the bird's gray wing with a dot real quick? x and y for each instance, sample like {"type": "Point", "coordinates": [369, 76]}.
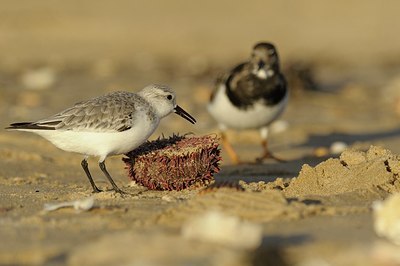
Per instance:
{"type": "Point", "coordinates": [109, 113]}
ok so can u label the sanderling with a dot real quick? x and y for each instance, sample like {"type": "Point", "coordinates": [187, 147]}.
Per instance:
{"type": "Point", "coordinates": [251, 96]}
{"type": "Point", "coordinates": [112, 124]}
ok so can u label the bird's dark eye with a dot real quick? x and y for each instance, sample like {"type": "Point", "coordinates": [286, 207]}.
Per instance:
{"type": "Point", "coordinates": [169, 97]}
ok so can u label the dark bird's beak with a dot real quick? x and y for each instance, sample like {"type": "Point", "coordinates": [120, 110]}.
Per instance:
{"type": "Point", "coordinates": [179, 111]}
{"type": "Point", "coordinates": [261, 64]}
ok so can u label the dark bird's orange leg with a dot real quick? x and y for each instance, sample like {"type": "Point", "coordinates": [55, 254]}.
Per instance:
{"type": "Point", "coordinates": [229, 149]}
{"type": "Point", "coordinates": [266, 152]}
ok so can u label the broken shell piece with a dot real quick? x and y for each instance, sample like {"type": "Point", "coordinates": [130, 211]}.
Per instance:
{"type": "Point", "coordinates": [279, 126]}
{"type": "Point", "coordinates": [79, 205]}
{"type": "Point", "coordinates": [220, 228]}
{"type": "Point", "coordinates": [387, 218]}
{"type": "Point", "coordinates": [338, 147]}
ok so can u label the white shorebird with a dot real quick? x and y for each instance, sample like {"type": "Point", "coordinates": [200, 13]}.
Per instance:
{"type": "Point", "coordinates": [251, 96]}
{"type": "Point", "coordinates": [112, 124]}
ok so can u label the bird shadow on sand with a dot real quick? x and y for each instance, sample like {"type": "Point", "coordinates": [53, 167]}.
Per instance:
{"type": "Point", "coordinates": [271, 170]}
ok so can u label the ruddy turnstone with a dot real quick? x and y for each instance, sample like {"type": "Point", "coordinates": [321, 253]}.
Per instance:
{"type": "Point", "coordinates": [251, 96]}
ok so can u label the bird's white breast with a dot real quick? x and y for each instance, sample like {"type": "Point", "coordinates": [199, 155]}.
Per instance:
{"type": "Point", "coordinates": [231, 116]}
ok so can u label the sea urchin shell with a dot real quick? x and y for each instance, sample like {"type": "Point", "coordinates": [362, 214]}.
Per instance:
{"type": "Point", "coordinates": [174, 163]}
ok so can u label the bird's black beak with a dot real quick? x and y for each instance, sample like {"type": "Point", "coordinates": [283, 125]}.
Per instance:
{"type": "Point", "coordinates": [179, 111]}
{"type": "Point", "coordinates": [261, 64]}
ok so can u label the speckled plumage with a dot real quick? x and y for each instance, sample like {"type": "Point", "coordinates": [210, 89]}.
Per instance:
{"type": "Point", "coordinates": [244, 88]}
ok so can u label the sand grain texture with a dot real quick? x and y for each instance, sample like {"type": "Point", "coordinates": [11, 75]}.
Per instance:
{"type": "Point", "coordinates": [373, 170]}
{"type": "Point", "coordinates": [312, 210]}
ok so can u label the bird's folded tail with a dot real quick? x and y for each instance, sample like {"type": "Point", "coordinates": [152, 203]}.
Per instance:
{"type": "Point", "coordinates": [30, 125]}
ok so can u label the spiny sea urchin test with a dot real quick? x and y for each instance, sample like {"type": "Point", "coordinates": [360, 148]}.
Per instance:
{"type": "Point", "coordinates": [174, 163]}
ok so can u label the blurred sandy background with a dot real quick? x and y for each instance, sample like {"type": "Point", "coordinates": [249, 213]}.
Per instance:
{"type": "Point", "coordinates": [357, 32]}
{"type": "Point", "coordinates": [55, 53]}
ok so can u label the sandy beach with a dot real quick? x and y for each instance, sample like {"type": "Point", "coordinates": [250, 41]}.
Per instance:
{"type": "Point", "coordinates": [340, 138]}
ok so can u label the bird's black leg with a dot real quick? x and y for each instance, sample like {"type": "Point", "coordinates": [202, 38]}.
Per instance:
{"type": "Point", "coordinates": [84, 164]}
{"type": "Point", "coordinates": [115, 187]}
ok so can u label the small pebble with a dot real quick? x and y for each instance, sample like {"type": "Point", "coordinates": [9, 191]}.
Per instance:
{"type": "Point", "coordinates": [338, 147]}
{"type": "Point", "coordinates": [321, 152]}
{"type": "Point", "coordinates": [279, 126]}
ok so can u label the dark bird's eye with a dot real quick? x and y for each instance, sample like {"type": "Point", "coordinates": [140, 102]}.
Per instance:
{"type": "Point", "coordinates": [169, 97]}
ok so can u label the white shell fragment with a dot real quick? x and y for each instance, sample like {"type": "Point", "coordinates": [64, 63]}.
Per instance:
{"type": "Point", "coordinates": [279, 126]}
{"type": "Point", "coordinates": [387, 218]}
{"type": "Point", "coordinates": [79, 205]}
{"type": "Point", "coordinates": [220, 228]}
{"type": "Point", "coordinates": [338, 147]}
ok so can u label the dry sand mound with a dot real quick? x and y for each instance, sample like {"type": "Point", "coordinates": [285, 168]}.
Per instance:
{"type": "Point", "coordinates": [376, 171]}
{"type": "Point", "coordinates": [344, 185]}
